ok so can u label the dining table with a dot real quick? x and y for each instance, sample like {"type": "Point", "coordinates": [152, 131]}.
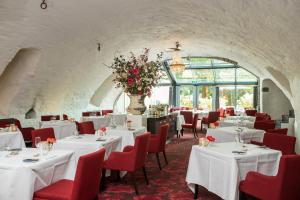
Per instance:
{"type": "Point", "coordinates": [241, 117]}
{"type": "Point", "coordinates": [233, 133]}
{"type": "Point", "coordinates": [234, 122]}
{"type": "Point", "coordinates": [11, 139]}
{"type": "Point", "coordinates": [25, 171]}
{"type": "Point", "coordinates": [220, 167]}
{"type": "Point", "coordinates": [62, 128]}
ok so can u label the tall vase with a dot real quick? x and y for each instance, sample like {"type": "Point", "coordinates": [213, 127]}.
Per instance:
{"type": "Point", "coordinates": [137, 104]}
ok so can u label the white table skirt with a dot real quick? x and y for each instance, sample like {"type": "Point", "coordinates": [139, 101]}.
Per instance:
{"type": "Point", "coordinates": [232, 122]}
{"type": "Point", "coordinates": [228, 134]}
{"type": "Point", "coordinates": [61, 129]}
{"type": "Point", "coordinates": [179, 122]}
{"type": "Point", "coordinates": [220, 171]}
{"type": "Point", "coordinates": [128, 136]}
{"type": "Point", "coordinates": [11, 139]}
{"type": "Point", "coordinates": [249, 118]}
{"type": "Point", "coordinates": [98, 121]}
{"type": "Point", "coordinates": [85, 144]}
{"type": "Point", "coordinates": [19, 180]}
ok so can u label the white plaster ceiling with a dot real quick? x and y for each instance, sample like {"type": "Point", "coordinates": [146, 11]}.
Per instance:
{"type": "Point", "coordinates": [261, 35]}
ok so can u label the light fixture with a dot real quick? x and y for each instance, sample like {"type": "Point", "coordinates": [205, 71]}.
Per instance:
{"type": "Point", "coordinates": [177, 65]}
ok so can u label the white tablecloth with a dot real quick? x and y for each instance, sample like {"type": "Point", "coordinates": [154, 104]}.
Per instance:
{"type": "Point", "coordinates": [228, 134]}
{"type": "Point", "coordinates": [19, 180]}
{"type": "Point", "coordinates": [179, 122]}
{"type": "Point", "coordinates": [98, 121]}
{"type": "Point", "coordinates": [249, 118]}
{"type": "Point", "coordinates": [232, 122]}
{"type": "Point", "coordinates": [220, 171]}
{"type": "Point", "coordinates": [85, 144]}
{"type": "Point", "coordinates": [119, 119]}
{"type": "Point", "coordinates": [128, 136]}
{"type": "Point", "coordinates": [11, 139]}
{"type": "Point", "coordinates": [62, 129]}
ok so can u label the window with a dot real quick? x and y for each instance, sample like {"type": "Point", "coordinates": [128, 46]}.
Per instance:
{"type": "Point", "coordinates": [205, 97]}
{"type": "Point", "coordinates": [227, 96]}
{"type": "Point", "coordinates": [160, 94]}
{"type": "Point", "coordinates": [186, 96]}
{"type": "Point", "coordinates": [244, 97]}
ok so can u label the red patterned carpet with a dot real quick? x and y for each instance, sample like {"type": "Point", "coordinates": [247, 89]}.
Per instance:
{"type": "Point", "coordinates": [169, 183]}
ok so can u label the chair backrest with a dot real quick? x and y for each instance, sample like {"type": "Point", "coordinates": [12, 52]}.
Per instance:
{"type": "Point", "coordinates": [283, 143]}
{"type": "Point", "coordinates": [250, 112]}
{"type": "Point", "coordinates": [188, 116]}
{"type": "Point", "coordinates": [43, 133]}
{"type": "Point", "coordinates": [105, 112]}
{"type": "Point", "coordinates": [283, 131]}
{"type": "Point", "coordinates": [230, 111]}
{"type": "Point", "coordinates": [88, 176]}
{"type": "Point", "coordinates": [163, 133]}
{"type": "Point", "coordinates": [49, 117]}
{"type": "Point", "coordinates": [86, 127]}
{"type": "Point", "coordinates": [264, 125]}
{"type": "Point", "coordinates": [195, 120]}
{"type": "Point", "coordinates": [287, 180]}
{"type": "Point", "coordinates": [85, 114]}
{"type": "Point", "coordinates": [65, 117]}
{"type": "Point", "coordinates": [6, 122]}
{"type": "Point", "coordinates": [213, 116]}
{"type": "Point", "coordinates": [140, 150]}
{"type": "Point", "coordinates": [222, 112]}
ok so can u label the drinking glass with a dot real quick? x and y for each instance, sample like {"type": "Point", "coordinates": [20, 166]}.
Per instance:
{"type": "Point", "coordinates": [38, 145]}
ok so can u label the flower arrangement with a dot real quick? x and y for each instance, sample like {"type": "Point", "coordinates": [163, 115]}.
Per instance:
{"type": "Point", "coordinates": [137, 75]}
{"type": "Point", "coordinates": [210, 138]}
{"type": "Point", "coordinates": [51, 140]}
{"type": "Point", "coordinates": [48, 145]}
{"type": "Point", "coordinates": [204, 141]}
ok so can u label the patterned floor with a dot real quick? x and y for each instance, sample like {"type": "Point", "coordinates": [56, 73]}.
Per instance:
{"type": "Point", "coordinates": [166, 184]}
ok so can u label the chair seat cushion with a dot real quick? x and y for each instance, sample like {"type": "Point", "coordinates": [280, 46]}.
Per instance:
{"type": "Point", "coordinates": [187, 125]}
{"type": "Point", "coordinates": [61, 190]}
{"type": "Point", "coordinates": [154, 145]}
{"type": "Point", "coordinates": [205, 120]}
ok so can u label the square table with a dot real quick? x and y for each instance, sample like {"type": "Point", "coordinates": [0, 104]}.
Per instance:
{"type": "Point", "coordinates": [219, 170]}
{"type": "Point", "coordinates": [62, 129]}
{"type": "Point", "coordinates": [20, 179]}
{"type": "Point", "coordinates": [10, 139]}
{"type": "Point", "coordinates": [229, 134]}
{"type": "Point", "coordinates": [98, 121]}
{"type": "Point", "coordinates": [87, 143]}
{"type": "Point", "coordinates": [128, 135]}
{"type": "Point", "coordinates": [249, 118]}
{"type": "Point", "coordinates": [233, 122]}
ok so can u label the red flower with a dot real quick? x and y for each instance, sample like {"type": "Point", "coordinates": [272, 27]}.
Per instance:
{"type": "Point", "coordinates": [135, 71]}
{"type": "Point", "coordinates": [130, 81]}
{"type": "Point", "coordinates": [103, 129]}
{"type": "Point", "coordinates": [51, 140]}
{"type": "Point", "coordinates": [211, 138]}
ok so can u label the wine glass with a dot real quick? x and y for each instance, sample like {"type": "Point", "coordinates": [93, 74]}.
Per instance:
{"type": "Point", "coordinates": [38, 144]}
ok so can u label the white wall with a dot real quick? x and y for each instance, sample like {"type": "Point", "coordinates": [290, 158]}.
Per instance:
{"type": "Point", "coordinates": [274, 101]}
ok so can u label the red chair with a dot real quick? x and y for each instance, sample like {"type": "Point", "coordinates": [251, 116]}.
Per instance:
{"type": "Point", "coordinates": [85, 114]}
{"type": "Point", "coordinates": [192, 126]}
{"type": "Point", "coordinates": [50, 117]}
{"type": "Point", "coordinates": [262, 117]}
{"type": "Point", "coordinates": [131, 159]}
{"type": "Point", "coordinates": [105, 112]}
{"type": "Point", "coordinates": [283, 143]}
{"type": "Point", "coordinates": [85, 185]}
{"type": "Point", "coordinates": [264, 125]}
{"type": "Point", "coordinates": [86, 127]}
{"type": "Point", "coordinates": [230, 111]}
{"type": "Point", "coordinates": [283, 186]}
{"type": "Point", "coordinates": [65, 117]}
{"type": "Point", "coordinates": [211, 118]}
{"type": "Point", "coordinates": [222, 112]}
{"type": "Point", "coordinates": [157, 143]}
{"type": "Point", "coordinates": [250, 112]}
{"type": "Point", "coordinates": [283, 131]}
{"type": "Point", "coordinates": [188, 116]}
{"type": "Point", "coordinates": [43, 133]}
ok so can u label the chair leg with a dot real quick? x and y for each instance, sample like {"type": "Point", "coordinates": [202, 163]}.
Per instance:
{"type": "Point", "coordinates": [158, 161]}
{"type": "Point", "coordinates": [118, 176]}
{"type": "Point", "coordinates": [181, 131]}
{"type": "Point", "coordinates": [201, 125]}
{"type": "Point", "coordinates": [164, 152]}
{"type": "Point", "coordinates": [134, 183]}
{"type": "Point", "coordinates": [196, 191]}
{"type": "Point", "coordinates": [145, 175]}
{"type": "Point", "coordinates": [196, 134]}
{"type": "Point", "coordinates": [103, 180]}
{"type": "Point", "coordinates": [242, 196]}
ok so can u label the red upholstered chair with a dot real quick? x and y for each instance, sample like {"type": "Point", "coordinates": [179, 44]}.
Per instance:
{"type": "Point", "coordinates": [86, 127]}
{"type": "Point", "coordinates": [283, 131]}
{"type": "Point", "coordinates": [43, 133]}
{"type": "Point", "coordinates": [250, 112]}
{"type": "Point", "coordinates": [49, 117]}
{"type": "Point", "coordinates": [264, 125]}
{"type": "Point", "coordinates": [230, 111]}
{"type": "Point", "coordinates": [26, 132]}
{"type": "Point", "coordinates": [283, 186]}
{"type": "Point", "coordinates": [283, 143]}
{"type": "Point", "coordinates": [105, 112]}
{"type": "Point", "coordinates": [65, 117]}
{"type": "Point", "coordinates": [211, 118]}
{"type": "Point", "coordinates": [188, 116]}
{"type": "Point", "coordinates": [85, 185]}
{"type": "Point", "coordinates": [262, 117]}
{"type": "Point", "coordinates": [222, 112]}
{"type": "Point", "coordinates": [131, 159]}
{"type": "Point", "coordinates": [85, 114]}
{"type": "Point", "coordinates": [192, 126]}
{"type": "Point", "coordinates": [157, 143]}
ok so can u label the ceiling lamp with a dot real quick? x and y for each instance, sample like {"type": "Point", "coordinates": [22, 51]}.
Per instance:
{"type": "Point", "coordinates": [177, 65]}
